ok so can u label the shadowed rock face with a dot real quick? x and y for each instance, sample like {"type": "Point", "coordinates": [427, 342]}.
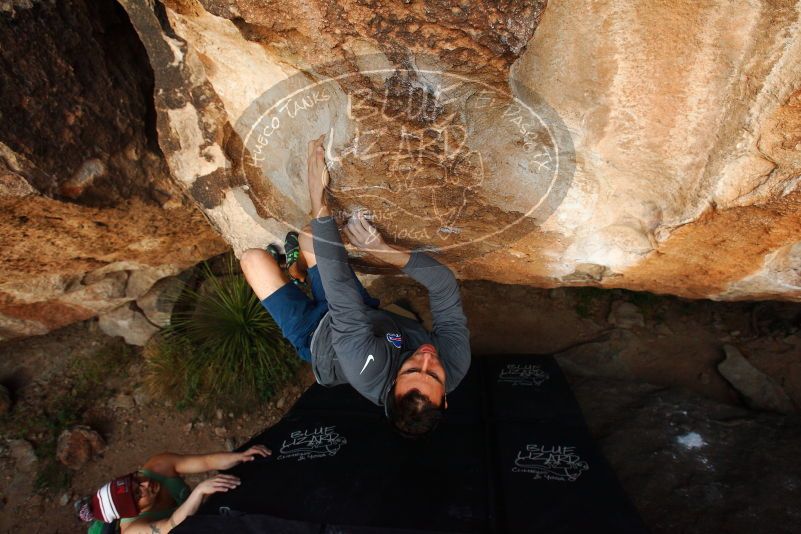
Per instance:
{"type": "Point", "coordinates": [76, 101]}
{"type": "Point", "coordinates": [616, 144]}
{"type": "Point", "coordinates": [605, 143]}
{"type": "Point", "coordinates": [90, 217]}
{"type": "Point", "coordinates": [690, 464]}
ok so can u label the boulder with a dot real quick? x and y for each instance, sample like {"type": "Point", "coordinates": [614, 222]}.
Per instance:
{"type": "Point", "coordinates": [77, 445]}
{"type": "Point", "coordinates": [12, 184]}
{"type": "Point", "coordinates": [143, 280]}
{"type": "Point", "coordinates": [605, 357]}
{"type": "Point", "coordinates": [158, 302]}
{"type": "Point", "coordinates": [503, 147]}
{"type": "Point", "coordinates": [23, 454]}
{"type": "Point", "coordinates": [625, 315]}
{"type": "Point", "coordinates": [128, 322]}
{"type": "Point", "coordinates": [690, 464]}
{"type": "Point", "coordinates": [757, 389]}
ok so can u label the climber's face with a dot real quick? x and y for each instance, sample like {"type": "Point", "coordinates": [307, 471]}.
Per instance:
{"type": "Point", "coordinates": [145, 491]}
{"type": "Point", "coordinates": [424, 372]}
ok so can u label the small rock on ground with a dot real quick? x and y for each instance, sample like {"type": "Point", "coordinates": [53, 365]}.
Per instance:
{"type": "Point", "coordinates": [141, 397]}
{"type": "Point", "coordinates": [664, 330]}
{"type": "Point", "coordinates": [23, 454]}
{"type": "Point", "coordinates": [122, 402]}
{"type": "Point", "coordinates": [77, 445]}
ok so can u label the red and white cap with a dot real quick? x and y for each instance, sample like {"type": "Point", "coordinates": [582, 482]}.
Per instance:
{"type": "Point", "coordinates": [115, 500]}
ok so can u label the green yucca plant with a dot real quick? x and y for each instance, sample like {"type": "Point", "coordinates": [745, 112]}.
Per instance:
{"type": "Point", "coordinates": [222, 349]}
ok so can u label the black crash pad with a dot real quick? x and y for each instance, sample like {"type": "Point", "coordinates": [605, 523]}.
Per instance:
{"type": "Point", "coordinates": [512, 455]}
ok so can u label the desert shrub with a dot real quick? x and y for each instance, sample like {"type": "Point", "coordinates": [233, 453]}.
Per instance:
{"type": "Point", "coordinates": [221, 349]}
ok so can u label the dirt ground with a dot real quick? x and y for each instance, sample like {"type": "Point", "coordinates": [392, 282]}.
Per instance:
{"type": "Point", "coordinates": [677, 343]}
{"type": "Point", "coordinates": [134, 425]}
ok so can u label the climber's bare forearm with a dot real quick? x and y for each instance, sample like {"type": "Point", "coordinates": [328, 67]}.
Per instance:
{"type": "Point", "coordinates": [319, 209]}
{"type": "Point", "coordinates": [387, 254]}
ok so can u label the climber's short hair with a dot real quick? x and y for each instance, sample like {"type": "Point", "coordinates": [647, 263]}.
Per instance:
{"type": "Point", "coordinates": [414, 415]}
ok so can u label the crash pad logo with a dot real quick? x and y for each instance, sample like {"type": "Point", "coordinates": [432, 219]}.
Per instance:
{"type": "Point", "coordinates": [319, 442]}
{"type": "Point", "coordinates": [429, 155]}
{"type": "Point", "coordinates": [395, 340]}
{"type": "Point", "coordinates": [528, 374]}
{"type": "Point", "coordinates": [559, 462]}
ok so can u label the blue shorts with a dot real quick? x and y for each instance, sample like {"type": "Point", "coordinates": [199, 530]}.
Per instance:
{"type": "Point", "coordinates": [298, 316]}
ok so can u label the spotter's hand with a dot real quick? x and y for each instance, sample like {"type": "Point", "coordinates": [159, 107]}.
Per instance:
{"type": "Point", "coordinates": [216, 484]}
{"type": "Point", "coordinates": [256, 450]}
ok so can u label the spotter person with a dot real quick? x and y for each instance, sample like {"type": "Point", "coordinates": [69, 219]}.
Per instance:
{"type": "Point", "coordinates": [155, 498]}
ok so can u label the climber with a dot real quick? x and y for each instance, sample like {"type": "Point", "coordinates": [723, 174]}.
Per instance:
{"type": "Point", "coordinates": [155, 498]}
{"type": "Point", "coordinates": [389, 359]}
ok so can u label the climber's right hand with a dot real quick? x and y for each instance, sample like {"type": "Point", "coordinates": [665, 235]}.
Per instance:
{"type": "Point", "coordinates": [364, 235]}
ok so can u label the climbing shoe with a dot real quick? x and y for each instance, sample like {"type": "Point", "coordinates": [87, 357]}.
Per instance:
{"type": "Point", "coordinates": [292, 251]}
{"type": "Point", "coordinates": [275, 252]}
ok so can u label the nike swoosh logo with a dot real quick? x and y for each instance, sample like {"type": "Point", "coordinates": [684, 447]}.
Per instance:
{"type": "Point", "coordinates": [369, 359]}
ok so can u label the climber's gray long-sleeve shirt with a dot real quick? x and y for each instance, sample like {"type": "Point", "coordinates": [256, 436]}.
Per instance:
{"type": "Point", "coordinates": [357, 344]}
